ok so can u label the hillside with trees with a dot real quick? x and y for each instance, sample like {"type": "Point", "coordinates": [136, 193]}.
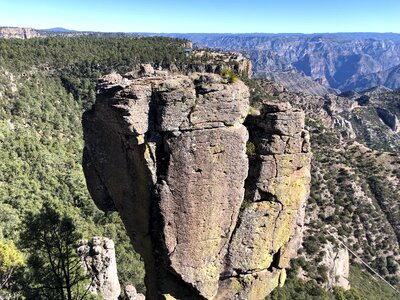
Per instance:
{"type": "Point", "coordinates": [45, 86]}
{"type": "Point", "coordinates": [354, 199]}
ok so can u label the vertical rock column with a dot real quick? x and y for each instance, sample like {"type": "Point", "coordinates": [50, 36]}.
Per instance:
{"type": "Point", "coordinates": [269, 229]}
{"type": "Point", "coordinates": [168, 152]}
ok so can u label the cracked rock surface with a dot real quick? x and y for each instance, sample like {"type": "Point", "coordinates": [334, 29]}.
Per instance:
{"type": "Point", "coordinates": [168, 151]}
{"type": "Point", "coordinates": [98, 259]}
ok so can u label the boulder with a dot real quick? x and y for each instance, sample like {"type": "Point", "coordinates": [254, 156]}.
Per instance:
{"type": "Point", "coordinates": [131, 293]}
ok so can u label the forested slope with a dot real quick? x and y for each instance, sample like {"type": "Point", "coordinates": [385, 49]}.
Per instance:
{"type": "Point", "coordinates": [45, 85]}
{"type": "Point", "coordinates": [354, 196]}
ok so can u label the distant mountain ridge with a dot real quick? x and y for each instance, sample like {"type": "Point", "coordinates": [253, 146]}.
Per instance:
{"type": "Point", "coordinates": [338, 61]}
{"type": "Point", "coordinates": [389, 78]}
{"type": "Point", "coordinates": [208, 37]}
{"type": "Point", "coordinates": [59, 29]}
{"type": "Point", "coordinates": [27, 33]}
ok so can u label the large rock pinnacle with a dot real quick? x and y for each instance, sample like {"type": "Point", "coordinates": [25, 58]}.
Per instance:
{"type": "Point", "coordinates": [169, 153]}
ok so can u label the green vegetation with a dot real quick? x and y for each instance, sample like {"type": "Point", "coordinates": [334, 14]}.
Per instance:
{"type": "Point", "coordinates": [370, 288]}
{"type": "Point", "coordinates": [87, 54]}
{"type": "Point", "coordinates": [229, 74]}
{"type": "Point", "coordinates": [45, 85]}
{"type": "Point", "coordinates": [54, 268]}
{"type": "Point", "coordinates": [363, 287]}
{"type": "Point", "coordinates": [257, 92]}
{"type": "Point", "coordinates": [11, 259]}
{"type": "Point", "coordinates": [250, 149]}
{"type": "Point", "coordinates": [353, 194]}
{"type": "Point", "coordinates": [297, 289]}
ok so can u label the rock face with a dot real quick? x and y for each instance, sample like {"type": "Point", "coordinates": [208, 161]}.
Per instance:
{"type": "Point", "coordinates": [131, 293]}
{"type": "Point", "coordinates": [345, 126]}
{"type": "Point", "coordinates": [169, 153]}
{"type": "Point", "coordinates": [18, 33]}
{"type": "Point", "coordinates": [389, 78]}
{"type": "Point", "coordinates": [215, 61]}
{"type": "Point", "coordinates": [98, 259]}
{"type": "Point", "coordinates": [389, 119]}
{"type": "Point", "coordinates": [337, 263]}
{"type": "Point", "coordinates": [270, 224]}
{"type": "Point", "coordinates": [295, 82]}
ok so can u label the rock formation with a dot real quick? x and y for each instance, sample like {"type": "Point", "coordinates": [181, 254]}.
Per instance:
{"type": "Point", "coordinates": [18, 33]}
{"type": "Point", "coordinates": [169, 153]}
{"type": "Point", "coordinates": [269, 228]}
{"type": "Point", "coordinates": [338, 264]}
{"type": "Point", "coordinates": [131, 293]}
{"type": "Point", "coordinates": [98, 259]}
{"type": "Point", "coordinates": [215, 61]}
{"type": "Point", "coordinates": [389, 119]}
{"type": "Point", "coordinates": [295, 82]}
{"type": "Point", "coordinates": [345, 126]}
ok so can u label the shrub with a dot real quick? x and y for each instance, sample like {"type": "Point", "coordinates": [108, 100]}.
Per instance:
{"type": "Point", "coordinates": [250, 149]}
{"type": "Point", "coordinates": [229, 74]}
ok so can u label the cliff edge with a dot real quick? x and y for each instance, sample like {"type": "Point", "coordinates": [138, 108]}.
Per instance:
{"type": "Point", "coordinates": [213, 201]}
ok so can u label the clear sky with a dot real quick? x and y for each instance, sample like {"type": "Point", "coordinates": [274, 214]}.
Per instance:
{"type": "Point", "coordinates": [277, 16]}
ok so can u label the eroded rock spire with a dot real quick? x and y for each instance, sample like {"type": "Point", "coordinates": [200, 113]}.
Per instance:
{"type": "Point", "coordinates": [169, 153]}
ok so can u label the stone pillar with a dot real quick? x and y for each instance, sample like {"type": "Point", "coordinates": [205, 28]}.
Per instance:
{"type": "Point", "coordinates": [98, 259]}
{"type": "Point", "coordinates": [169, 153]}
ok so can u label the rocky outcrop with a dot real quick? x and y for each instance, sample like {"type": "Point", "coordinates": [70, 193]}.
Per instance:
{"type": "Point", "coordinates": [18, 33]}
{"type": "Point", "coordinates": [337, 263]}
{"type": "Point", "coordinates": [98, 259]}
{"type": "Point", "coordinates": [130, 293]}
{"type": "Point", "coordinates": [295, 82]}
{"type": "Point", "coordinates": [169, 153]}
{"type": "Point", "coordinates": [270, 223]}
{"type": "Point", "coordinates": [345, 127]}
{"type": "Point", "coordinates": [389, 119]}
{"type": "Point", "coordinates": [216, 61]}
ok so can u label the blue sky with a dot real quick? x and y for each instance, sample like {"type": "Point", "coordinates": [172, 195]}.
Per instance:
{"type": "Point", "coordinates": [306, 16]}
